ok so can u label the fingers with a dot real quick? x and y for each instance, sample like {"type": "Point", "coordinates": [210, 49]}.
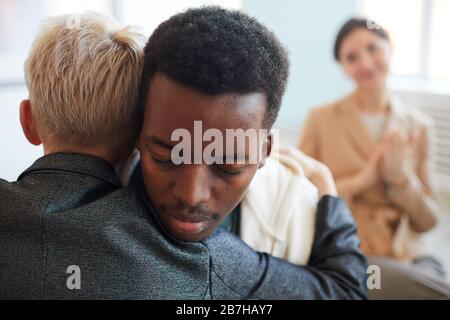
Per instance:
{"type": "Point", "coordinates": [379, 152]}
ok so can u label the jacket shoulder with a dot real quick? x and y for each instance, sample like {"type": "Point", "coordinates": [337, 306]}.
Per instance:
{"type": "Point", "coordinates": [6, 187]}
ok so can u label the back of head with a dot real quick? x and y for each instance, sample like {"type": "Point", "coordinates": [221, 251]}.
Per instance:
{"type": "Point", "coordinates": [83, 82]}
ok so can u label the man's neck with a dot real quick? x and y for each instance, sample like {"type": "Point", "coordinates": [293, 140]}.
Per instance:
{"type": "Point", "coordinates": [102, 153]}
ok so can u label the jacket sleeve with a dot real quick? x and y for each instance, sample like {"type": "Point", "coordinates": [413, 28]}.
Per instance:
{"type": "Point", "coordinates": [336, 268]}
{"type": "Point", "coordinates": [416, 196]}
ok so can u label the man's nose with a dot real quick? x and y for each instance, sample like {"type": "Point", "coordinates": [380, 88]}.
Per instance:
{"type": "Point", "coordinates": [192, 186]}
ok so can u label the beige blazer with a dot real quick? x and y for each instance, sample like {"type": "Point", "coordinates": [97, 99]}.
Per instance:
{"type": "Point", "coordinates": [336, 135]}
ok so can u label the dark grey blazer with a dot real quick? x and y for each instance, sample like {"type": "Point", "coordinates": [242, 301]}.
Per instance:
{"type": "Point", "coordinates": [71, 210]}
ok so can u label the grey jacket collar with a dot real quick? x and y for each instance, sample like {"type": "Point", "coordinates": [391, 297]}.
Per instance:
{"type": "Point", "coordinates": [75, 163]}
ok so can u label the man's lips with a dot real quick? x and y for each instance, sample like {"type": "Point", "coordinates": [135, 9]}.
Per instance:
{"type": "Point", "coordinates": [186, 223]}
{"type": "Point", "coordinates": [186, 217]}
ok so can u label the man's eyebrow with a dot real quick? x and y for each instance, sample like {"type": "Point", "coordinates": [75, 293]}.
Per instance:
{"type": "Point", "coordinates": [159, 142]}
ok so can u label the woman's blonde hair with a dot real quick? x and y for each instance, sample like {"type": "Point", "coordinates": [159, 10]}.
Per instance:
{"type": "Point", "coordinates": [83, 75]}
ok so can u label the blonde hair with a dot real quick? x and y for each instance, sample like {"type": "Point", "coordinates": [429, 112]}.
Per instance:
{"type": "Point", "coordinates": [83, 75]}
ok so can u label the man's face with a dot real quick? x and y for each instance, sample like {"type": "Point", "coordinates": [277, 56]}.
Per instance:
{"type": "Point", "coordinates": [192, 200]}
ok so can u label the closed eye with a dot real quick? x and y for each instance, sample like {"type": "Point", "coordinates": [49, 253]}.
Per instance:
{"type": "Point", "coordinates": [228, 170]}
{"type": "Point", "coordinates": [162, 161]}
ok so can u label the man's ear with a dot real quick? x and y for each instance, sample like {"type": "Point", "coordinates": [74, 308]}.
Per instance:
{"type": "Point", "coordinates": [28, 124]}
{"type": "Point", "coordinates": [266, 150]}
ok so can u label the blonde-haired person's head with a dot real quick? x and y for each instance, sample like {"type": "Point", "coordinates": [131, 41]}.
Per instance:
{"type": "Point", "coordinates": [83, 74]}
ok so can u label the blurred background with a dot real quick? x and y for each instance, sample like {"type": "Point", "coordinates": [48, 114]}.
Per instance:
{"type": "Point", "coordinates": [421, 64]}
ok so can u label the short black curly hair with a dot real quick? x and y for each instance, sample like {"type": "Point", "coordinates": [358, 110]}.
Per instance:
{"type": "Point", "coordinates": [218, 51]}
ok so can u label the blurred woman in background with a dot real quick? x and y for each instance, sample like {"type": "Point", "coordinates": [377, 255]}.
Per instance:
{"type": "Point", "coordinates": [378, 152]}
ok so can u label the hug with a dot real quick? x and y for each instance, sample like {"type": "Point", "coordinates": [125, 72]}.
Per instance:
{"type": "Point", "coordinates": [257, 220]}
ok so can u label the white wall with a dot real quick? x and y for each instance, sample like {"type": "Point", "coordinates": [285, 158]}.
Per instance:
{"type": "Point", "coordinates": [307, 29]}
